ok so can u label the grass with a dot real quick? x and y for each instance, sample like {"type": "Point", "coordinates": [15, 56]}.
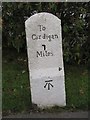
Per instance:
{"type": "Point", "coordinates": [16, 90]}
{"type": "Point", "coordinates": [77, 87]}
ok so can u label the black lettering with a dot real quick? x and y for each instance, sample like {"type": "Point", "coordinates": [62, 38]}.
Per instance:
{"type": "Point", "coordinates": [40, 27]}
{"type": "Point", "coordinates": [44, 46]}
{"type": "Point", "coordinates": [43, 36]}
{"type": "Point", "coordinates": [56, 36]}
{"type": "Point", "coordinates": [44, 54]}
{"type": "Point", "coordinates": [51, 54]}
{"type": "Point", "coordinates": [49, 38]}
{"type": "Point", "coordinates": [53, 36]}
{"type": "Point", "coordinates": [39, 53]}
{"type": "Point", "coordinates": [34, 37]}
{"type": "Point", "coordinates": [39, 36]}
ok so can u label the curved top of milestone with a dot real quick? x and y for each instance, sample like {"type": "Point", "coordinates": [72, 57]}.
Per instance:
{"type": "Point", "coordinates": [42, 15]}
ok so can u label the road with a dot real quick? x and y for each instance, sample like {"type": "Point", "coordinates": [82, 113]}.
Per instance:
{"type": "Point", "coordinates": [80, 114]}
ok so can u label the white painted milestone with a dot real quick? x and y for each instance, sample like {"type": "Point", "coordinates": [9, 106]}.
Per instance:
{"type": "Point", "coordinates": [45, 60]}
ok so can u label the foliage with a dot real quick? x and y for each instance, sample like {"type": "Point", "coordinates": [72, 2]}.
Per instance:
{"type": "Point", "coordinates": [74, 18]}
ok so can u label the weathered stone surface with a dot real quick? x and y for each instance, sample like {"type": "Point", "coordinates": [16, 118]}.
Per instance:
{"type": "Point", "coordinates": [45, 60]}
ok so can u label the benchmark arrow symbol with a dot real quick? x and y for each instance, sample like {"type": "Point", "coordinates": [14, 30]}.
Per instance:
{"type": "Point", "coordinates": [48, 84]}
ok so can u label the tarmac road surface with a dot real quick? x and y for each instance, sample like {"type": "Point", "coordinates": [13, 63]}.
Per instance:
{"type": "Point", "coordinates": [80, 114]}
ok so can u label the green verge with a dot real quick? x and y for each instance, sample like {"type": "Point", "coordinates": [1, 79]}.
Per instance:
{"type": "Point", "coordinates": [15, 84]}
{"type": "Point", "coordinates": [16, 90]}
{"type": "Point", "coordinates": [77, 87]}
